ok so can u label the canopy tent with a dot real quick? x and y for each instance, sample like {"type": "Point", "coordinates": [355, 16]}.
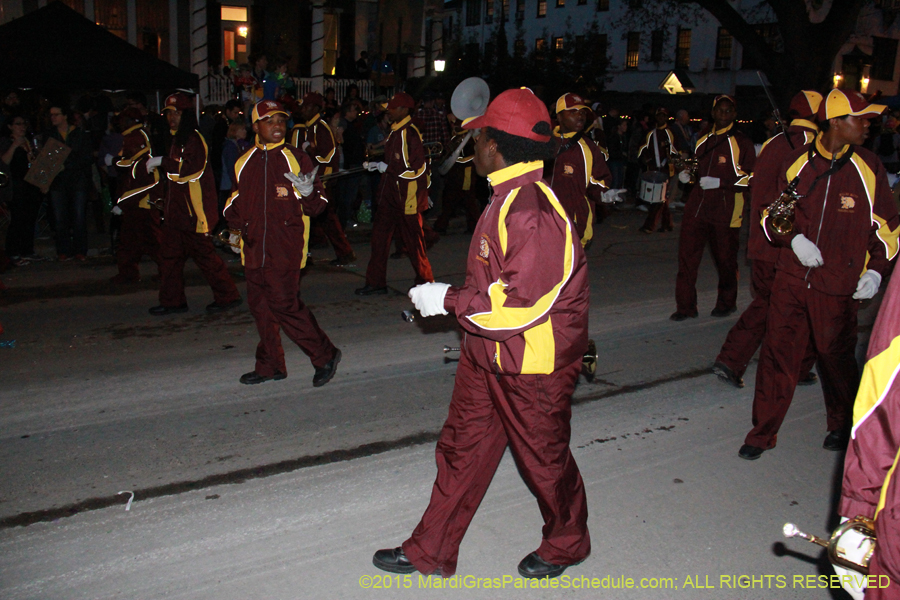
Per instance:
{"type": "Point", "coordinates": [56, 48]}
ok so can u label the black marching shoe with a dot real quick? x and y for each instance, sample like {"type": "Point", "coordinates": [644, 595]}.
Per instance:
{"type": "Point", "coordinates": [679, 317]}
{"type": "Point", "coordinates": [393, 560]}
{"type": "Point", "coordinates": [215, 307]}
{"type": "Point", "coordinates": [325, 374]}
{"type": "Point", "coordinates": [160, 311]}
{"type": "Point", "coordinates": [725, 373]}
{"type": "Point", "coordinates": [810, 379]}
{"type": "Point", "coordinates": [534, 567]}
{"type": "Point", "coordinates": [370, 290]}
{"type": "Point", "coordinates": [253, 377]}
{"type": "Point", "coordinates": [748, 452]}
{"type": "Point", "coordinates": [836, 441]}
{"type": "Point", "coordinates": [722, 312]}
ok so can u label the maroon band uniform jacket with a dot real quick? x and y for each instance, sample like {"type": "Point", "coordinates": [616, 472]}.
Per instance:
{"type": "Point", "coordinates": [270, 213]}
{"type": "Point", "coordinates": [138, 186]}
{"type": "Point", "coordinates": [191, 199]}
{"type": "Point", "coordinates": [729, 155]}
{"type": "Point", "coordinates": [404, 185]}
{"type": "Point", "coordinates": [322, 148]}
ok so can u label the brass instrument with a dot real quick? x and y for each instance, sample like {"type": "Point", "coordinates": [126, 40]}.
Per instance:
{"type": "Point", "coordinates": [685, 163]}
{"type": "Point", "coordinates": [781, 211]}
{"type": "Point", "coordinates": [157, 203]}
{"type": "Point", "coordinates": [589, 361]}
{"type": "Point", "coordinates": [837, 553]}
{"type": "Point", "coordinates": [4, 179]}
{"type": "Point", "coordinates": [432, 150]}
{"type": "Point", "coordinates": [224, 236]}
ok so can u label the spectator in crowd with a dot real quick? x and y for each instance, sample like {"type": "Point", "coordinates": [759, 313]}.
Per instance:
{"type": "Point", "coordinates": [353, 149]}
{"type": "Point", "coordinates": [353, 97]}
{"type": "Point", "coordinates": [69, 190]}
{"type": "Point", "coordinates": [9, 106]}
{"type": "Point", "coordinates": [362, 66]}
{"type": "Point", "coordinates": [886, 147]}
{"type": "Point", "coordinates": [16, 156]}
{"type": "Point", "coordinates": [375, 138]}
{"type": "Point", "coordinates": [617, 146]}
{"type": "Point", "coordinates": [229, 114]}
{"type": "Point", "coordinates": [234, 146]}
{"type": "Point", "coordinates": [331, 104]}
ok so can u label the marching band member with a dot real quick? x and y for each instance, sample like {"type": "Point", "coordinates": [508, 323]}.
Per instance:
{"type": "Point", "coordinates": [658, 145]}
{"type": "Point", "coordinates": [403, 197]}
{"type": "Point", "coordinates": [190, 215]}
{"type": "Point", "coordinates": [459, 184]}
{"type": "Point", "coordinates": [714, 211]}
{"type": "Point", "coordinates": [524, 309]}
{"type": "Point", "coordinates": [140, 221]}
{"type": "Point", "coordinates": [315, 136]}
{"type": "Point", "coordinates": [276, 191]}
{"type": "Point", "coordinates": [844, 237]}
{"type": "Point", "coordinates": [578, 175]}
{"type": "Point", "coordinates": [745, 337]}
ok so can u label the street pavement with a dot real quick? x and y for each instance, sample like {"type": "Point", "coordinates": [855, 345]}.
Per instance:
{"type": "Point", "coordinates": [285, 491]}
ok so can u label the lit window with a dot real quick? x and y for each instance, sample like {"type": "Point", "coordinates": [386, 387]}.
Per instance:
{"type": "Point", "coordinates": [234, 13]}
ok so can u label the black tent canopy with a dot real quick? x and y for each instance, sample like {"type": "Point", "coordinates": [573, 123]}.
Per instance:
{"type": "Point", "coordinates": [56, 48]}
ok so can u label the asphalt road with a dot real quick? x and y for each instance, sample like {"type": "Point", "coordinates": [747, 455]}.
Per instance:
{"type": "Point", "coordinates": [284, 491]}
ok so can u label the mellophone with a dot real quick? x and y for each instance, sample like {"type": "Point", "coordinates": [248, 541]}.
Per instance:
{"type": "Point", "coordinates": [837, 549]}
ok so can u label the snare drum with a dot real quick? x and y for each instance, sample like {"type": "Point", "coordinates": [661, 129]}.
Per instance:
{"type": "Point", "coordinates": [653, 187]}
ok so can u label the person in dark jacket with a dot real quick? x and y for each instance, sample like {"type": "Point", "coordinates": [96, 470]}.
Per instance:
{"type": "Point", "coordinates": [69, 190]}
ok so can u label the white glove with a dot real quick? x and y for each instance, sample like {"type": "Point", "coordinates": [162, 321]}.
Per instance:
{"type": "Point", "coordinates": [303, 183]}
{"type": "Point", "coordinates": [806, 251]}
{"type": "Point", "coordinates": [108, 160]}
{"type": "Point", "coordinates": [235, 242]}
{"type": "Point", "coordinates": [381, 167]}
{"type": "Point", "coordinates": [304, 146]}
{"type": "Point", "coordinates": [709, 183]}
{"type": "Point", "coordinates": [116, 210]}
{"type": "Point", "coordinates": [153, 162]}
{"type": "Point", "coordinates": [430, 202]}
{"type": "Point", "coordinates": [428, 298]}
{"type": "Point", "coordinates": [868, 285]}
{"type": "Point", "coordinates": [853, 583]}
{"type": "Point", "coordinates": [685, 177]}
{"type": "Point", "coordinates": [854, 546]}
{"type": "Point", "coordinates": [612, 196]}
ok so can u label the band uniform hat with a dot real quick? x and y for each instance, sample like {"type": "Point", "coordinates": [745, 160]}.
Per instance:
{"type": "Point", "coordinates": [570, 102]}
{"type": "Point", "coordinates": [805, 103]}
{"type": "Point", "coordinates": [721, 97]}
{"type": "Point", "coordinates": [132, 112]}
{"type": "Point", "coordinates": [842, 103]}
{"type": "Point", "coordinates": [313, 98]}
{"type": "Point", "coordinates": [516, 112]}
{"type": "Point", "coordinates": [662, 110]}
{"type": "Point", "coordinates": [401, 99]}
{"type": "Point", "coordinates": [178, 101]}
{"type": "Point", "coordinates": [266, 108]}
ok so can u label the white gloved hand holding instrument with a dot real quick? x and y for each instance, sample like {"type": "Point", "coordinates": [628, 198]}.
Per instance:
{"type": "Point", "coordinates": [153, 163]}
{"type": "Point", "coordinates": [807, 252]}
{"type": "Point", "coordinates": [304, 184]}
{"type": "Point", "coordinates": [234, 242]}
{"type": "Point", "coordinates": [613, 196]}
{"type": "Point", "coordinates": [381, 167]}
{"type": "Point", "coordinates": [684, 177]}
{"type": "Point", "coordinates": [868, 285]}
{"type": "Point", "coordinates": [709, 183]}
{"type": "Point", "coordinates": [428, 298]}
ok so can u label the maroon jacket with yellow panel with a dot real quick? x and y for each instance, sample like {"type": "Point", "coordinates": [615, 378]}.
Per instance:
{"type": "Point", "coordinates": [322, 148]}
{"type": "Point", "coordinates": [268, 210]}
{"type": "Point", "coordinates": [191, 199]}
{"type": "Point", "coordinates": [404, 185]}
{"type": "Point", "coordinates": [138, 186]}
{"type": "Point", "coordinates": [524, 304]}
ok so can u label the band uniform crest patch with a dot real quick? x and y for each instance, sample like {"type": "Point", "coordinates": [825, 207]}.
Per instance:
{"type": "Point", "coordinates": [568, 170]}
{"type": "Point", "coordinates": [484, 248]}
{"type": "Point", "coordinates": [281, 191]}
{"type": "Point", "coordinates": [722, 159]}
{"type": "Point", "coordinates": [848, 203]}
{"type": "Point", "coordinates": [397, 155]}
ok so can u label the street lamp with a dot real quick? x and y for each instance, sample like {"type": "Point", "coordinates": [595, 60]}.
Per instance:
{"type": "Point", "coordinates": [243, 30]}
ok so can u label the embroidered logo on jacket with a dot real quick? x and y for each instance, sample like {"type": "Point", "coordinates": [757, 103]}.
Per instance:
{"type": "Point", "coordinates": [848, 203]}
{"type": "Point", "coordinates": [281, 191]}
{"type": "Point", "coordinates": [568, 170]}
{"type": "Point", "coordinates": [722, 159]}
{"type": "Point", "coordinates": [484, 248]}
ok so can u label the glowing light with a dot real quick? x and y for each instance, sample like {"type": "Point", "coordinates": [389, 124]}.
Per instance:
{"type": "Point", "coordinates": [243, 30]}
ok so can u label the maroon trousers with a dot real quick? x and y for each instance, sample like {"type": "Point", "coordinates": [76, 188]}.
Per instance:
{"type": "Point", "coordinates": [140, 234]}
{"type": "Point", "coordinates": [723, 244]}
{"type": "Point", "coordinates": [330, 225]}
{"type": "Point", "coordinates": [530, 414]}
{"type": "Point", "coordinates": [410, 228]}
{"type": "Point", "coordinates": [274, 299]}
{"type": "Point", "coordinates": [175, 248]}
{"type": "Point", "coordinates": [796, 313]}
{"type": "Point", "coordinates": [747, 334]}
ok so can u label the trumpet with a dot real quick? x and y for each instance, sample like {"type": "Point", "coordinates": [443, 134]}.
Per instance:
{"type": "Point", "coordinates": [837, 553]}
{"type": "Point", "coordinates": [782, 210]}
{"type": "Point", "coordinates": [433, 150]}
{"type": "Point", "coordinates": [224, 236]}
{"type": "Point", "coordinates": [685, 163]}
